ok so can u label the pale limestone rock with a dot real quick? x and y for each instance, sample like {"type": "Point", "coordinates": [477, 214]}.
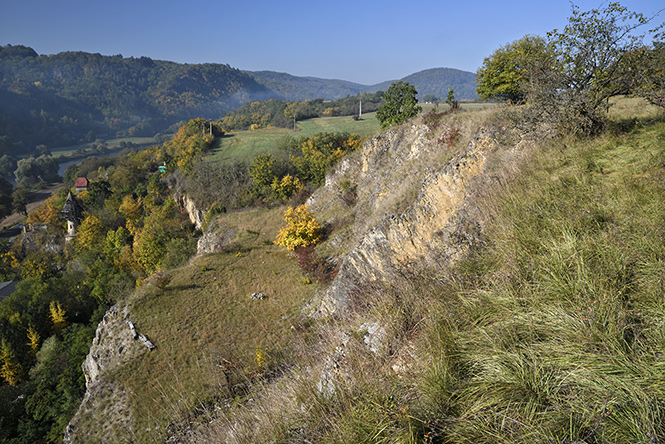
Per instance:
{"type": "Point", "coordinates": [426, 229]}
{"type": "Point", "coordinates": [374, 336]}
{"type": "Point", "coordinates": [196, 214]}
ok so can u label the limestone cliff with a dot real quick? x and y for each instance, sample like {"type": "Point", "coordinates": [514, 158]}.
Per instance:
{"type": "Point", "coordinates": [195, 213]}
{"type": "Point", "coordinates": [410, 199]}
{"type": "Point", "coordinates": [416, 205]}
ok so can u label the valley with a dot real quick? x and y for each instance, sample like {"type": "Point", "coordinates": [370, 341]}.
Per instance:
{"type": "Point", "coordinates": [239, 257]}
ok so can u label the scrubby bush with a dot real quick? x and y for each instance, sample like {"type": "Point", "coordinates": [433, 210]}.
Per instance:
{"type": "Point", "coordinates": [301, 229]}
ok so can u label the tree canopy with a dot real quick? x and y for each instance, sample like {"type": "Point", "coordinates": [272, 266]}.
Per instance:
{"type": "Point", "coordinates": [505, 71]}
{"type": "Point", "coordinates": [567, 77]}
{"type": "Point", "coordinates": [400, 104]}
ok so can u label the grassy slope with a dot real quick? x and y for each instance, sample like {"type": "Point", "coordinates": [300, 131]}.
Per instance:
{"type": "Point", "coordinates": [245, 145]}
{"type": "Point", "coordinates": [210, 336]}
{"type": "Point", "coordinates": [553, 332]}
{"type": "Point", "coordinates": [560, 335]}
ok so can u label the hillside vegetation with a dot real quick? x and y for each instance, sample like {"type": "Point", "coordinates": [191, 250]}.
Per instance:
{"type": "Point", "coordinates": [549, 331]}
{"type": "Point", "coordinates": [489, 276]}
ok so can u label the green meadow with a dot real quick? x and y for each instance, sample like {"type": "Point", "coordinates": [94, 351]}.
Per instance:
{"type": "Point", "coordinates": [245, 145]}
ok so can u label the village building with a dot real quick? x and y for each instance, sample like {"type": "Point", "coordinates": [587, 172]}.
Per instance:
{"type": "Point", "coordinates": [72, 212]}
{"type": "Point", "coordinates": [81, 184]}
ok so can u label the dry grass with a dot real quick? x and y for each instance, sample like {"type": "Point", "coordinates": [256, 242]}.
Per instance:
{"type": "Point", "coordinates": [552, 334]}
{"type": "Point", "coordinates": [212, 339]}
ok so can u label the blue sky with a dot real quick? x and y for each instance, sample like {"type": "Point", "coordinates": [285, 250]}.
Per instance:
{"type": "Point", "coordinates": [363, 41]}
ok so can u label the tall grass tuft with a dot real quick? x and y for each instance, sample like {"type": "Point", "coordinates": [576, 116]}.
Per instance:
{"type": "Point", "coordinates": [564, 336]}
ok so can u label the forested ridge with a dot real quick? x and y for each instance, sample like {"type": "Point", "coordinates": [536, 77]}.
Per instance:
{"type": "Point", "coordinates": [76, 97]}
{"type": "Point", "coordinates": [72, 97]}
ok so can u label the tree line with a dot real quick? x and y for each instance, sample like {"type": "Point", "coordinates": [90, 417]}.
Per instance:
{"type": "Point", "coordinates": [568, 76]}
{"type": "Point", "coordinates": [76, 97]}
{"type": "Point", "coordinates": [280, 113]}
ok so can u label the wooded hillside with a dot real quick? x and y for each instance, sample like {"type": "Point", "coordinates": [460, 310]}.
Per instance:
{"type": "Point", "coordinates": [76, 97]}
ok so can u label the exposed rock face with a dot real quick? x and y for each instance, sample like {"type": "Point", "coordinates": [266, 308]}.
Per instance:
{"type": "Point", "coordinates": [414, 209]}
{"type": "Point", "coordinates": [435, 228]}
{"type": "Point", "coordinates": [114, 345]}
{"type": "Point", "coordinates": [335, 370]}
{"type": "Point", "coordinates": [113, 342]}
{"type": "Point", "coordinates": [216, 238]}
{"type": "Point", "coordinates": [196, 214]}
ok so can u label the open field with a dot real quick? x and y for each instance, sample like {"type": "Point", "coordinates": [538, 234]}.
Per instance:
{"type": "Point", "coordinates": [245, 145]}
{"type": "Point", "coordinates": [111, 143]}
{"type": "Point", "coordinates": [467, 106]}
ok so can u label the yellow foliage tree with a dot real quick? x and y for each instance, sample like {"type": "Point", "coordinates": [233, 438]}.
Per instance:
{"type": "Point", "coordinates": [301, 229]}
{"type": "Point", "coordinates": [48, 213]}
{"type": "Point", "coordinates": [130, 208]}
{"type": "Point", "coordinates": [33, 340]}
{"type": "Point", "coordinates": [36, 267]}
{"type": "Point", "coordinates": [286, 187]}
{"type": "Point", "coordinates": [10, 368]}
{"type": "Point", "coordinates": [90, 234]}
{"type": "Point", "coordinates": [57, 315]}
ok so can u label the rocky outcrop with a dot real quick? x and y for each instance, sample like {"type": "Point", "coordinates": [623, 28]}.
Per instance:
{"type": "Point", "coordinates": [196, 214]}
{"type": "Point", "coordinates": [115, 344]}
{"type": "Point", "coordinates": [436, 228]}
{"type": "Point", "coordinates": [217, 237]}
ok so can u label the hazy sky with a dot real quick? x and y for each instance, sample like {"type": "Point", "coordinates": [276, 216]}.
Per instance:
{"type": "Point", "coordinates": [364, 41]}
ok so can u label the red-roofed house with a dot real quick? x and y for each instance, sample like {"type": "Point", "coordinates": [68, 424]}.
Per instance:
{"type": "Point", "coordinates": [81, 184]}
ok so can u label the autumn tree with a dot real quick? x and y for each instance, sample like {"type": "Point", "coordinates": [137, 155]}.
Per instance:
{"type": "Point", "coordinates": [58, 317]}
{"type": "Point", "coordinates": [319, 152]}
{"type": "Point", "coordinates": [10, 368]}
{"type": "Point", "coordinates": [191, 140]}
{"type": "Point", "coordinates": [285, 187]}
{"type": "Point", "coordinates": [292, 112]}
{"type": "Point", "coordinates": [649, 81]}
{"type": "Point", "coordinates": [131, 209]}
{"type": "Point", "coordinates": [400, 104]}
{"type": "Point", "coordinates": [33, 340]}
{"type": "Point", "coordinates": [262, 171]}
{"type": "Point", "coordinates": [150, 243]}
{"type": "Point", "coordinates": [301, 229]}
{"type": "Point", "coordinates": [117, 247]}
{"type": "Point", "coordinates": [90, 234]}
{"type": "Point", "coordinates": [49, 213]}
{"type": "Point", "coordinates": [593, 63]}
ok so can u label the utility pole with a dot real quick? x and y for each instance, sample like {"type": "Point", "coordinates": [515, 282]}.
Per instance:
{"type": "Point", "coordinates": [360, 112]}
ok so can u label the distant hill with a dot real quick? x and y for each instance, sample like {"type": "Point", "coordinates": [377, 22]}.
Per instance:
{"type": "Point", "coordinates": [436, 81]}
{"type": "Point", "coordinates": [292, 88]}
{"type": "Point", "coordinates": [74, 97]}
